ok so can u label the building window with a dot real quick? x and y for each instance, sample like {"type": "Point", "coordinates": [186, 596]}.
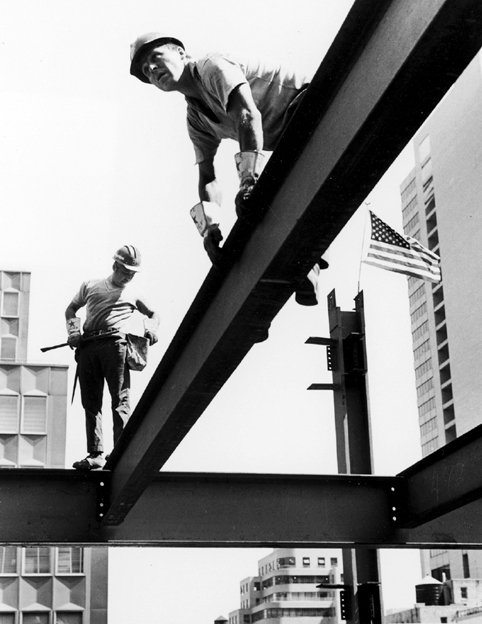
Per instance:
{"type": "Point", "coordinates": [463, 592]}
{"type": "Point", "coordinates": [7, 618]}
{"type": "Point", "coordinates": [35, 618]}
{"type": "Point", "coordinates": [34, 420]}
{"type": "Point", "coordinates": [286, 562]}
{"type": "Point", "coordinates": [70, 560]}
{"type": "Point", "coordinates": [321, 562]}
{"type": "Point", "coordinates": [64, 617]}
{"type": "Point", "coordinates": [8, 349]}
{"type": "Point", "coordinates": [37, 560]}
{"type": "Point", "coordinates": [465, 563]}
{"type": "Point", "coordinates": [333, 562]}
{"type": "Point", "coordinates": [10, 304]}
{"type": "Point", "coordinates": [8, 561]}
{"type": "Point", "coordinates": [443, 619]}
{"type": "Point", "coordinates": [8, 414]}
{"type": "Point", "coordinates": [306, 561]}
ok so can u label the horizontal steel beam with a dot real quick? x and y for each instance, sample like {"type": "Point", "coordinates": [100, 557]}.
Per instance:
{"type": "Point", "coordinates": [387, 69]}
{"type": "Point", "coordinates": [235, 510]}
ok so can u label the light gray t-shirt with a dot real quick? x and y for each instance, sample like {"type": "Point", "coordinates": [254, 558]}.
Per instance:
{"type": "Point", "coordinates": [216, 75]}
{"type": "Point", "coordinates": [109, 306]}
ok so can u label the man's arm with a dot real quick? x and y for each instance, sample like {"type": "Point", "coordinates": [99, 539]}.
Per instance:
{"type": "Point", "coordinates": [247, 118]}
{"type": "Point", "coordinates": [209, 188]}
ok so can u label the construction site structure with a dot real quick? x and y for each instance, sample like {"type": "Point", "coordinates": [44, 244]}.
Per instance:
{"type": "Point", "coordinates": [357, 116]}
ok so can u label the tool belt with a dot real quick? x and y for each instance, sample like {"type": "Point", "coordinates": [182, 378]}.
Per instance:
{"type": "Point", "coordinates": [102, 333]}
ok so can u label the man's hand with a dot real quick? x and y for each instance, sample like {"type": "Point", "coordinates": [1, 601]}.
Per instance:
{"type": "Point", "coordinates": [211, 240]}
{"type": "Point", "coordinates": [73, 341]}
{"type": "Point", "coordinates": [240, 201]}
{"type": "Point", "coordinates": [151, 336]}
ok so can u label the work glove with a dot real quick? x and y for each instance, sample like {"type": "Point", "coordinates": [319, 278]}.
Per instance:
{"type": "Point", "coordinates": [206, 219]}
{"type": "Point", "coordinates": [73, 332]}
{"type": "Point", "coordinates": [249, 165]}
{"type": "Point", "coordinates": [150, 327]}
{"type": "Point", "coordinates": [151, 336]}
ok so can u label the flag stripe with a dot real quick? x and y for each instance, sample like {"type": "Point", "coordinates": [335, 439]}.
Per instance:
{"type": "Point", "coordinates": [392, 251]}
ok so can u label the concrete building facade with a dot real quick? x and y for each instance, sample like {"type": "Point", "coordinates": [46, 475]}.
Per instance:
{"type": "Point", "coordinates": [285, 589]}
{"type": "Point", "coordinates": [441, 204]}
{"type": "Point", "coordinates": [39, 584]}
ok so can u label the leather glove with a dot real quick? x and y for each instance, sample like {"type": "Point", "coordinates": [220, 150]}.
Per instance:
{"type": "Point", "coordinates": [211, 240]}
{"type": "Point", "coordinates": [73, 331]}
{"type": "Point", "coordinates": [151, 336]}
{"type": "Point", "coordinates": [249, 165]}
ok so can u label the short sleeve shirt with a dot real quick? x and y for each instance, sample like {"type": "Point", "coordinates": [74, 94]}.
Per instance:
{"type": "Point", "coordinates": [216, 75]}
{"type": "Point", "coordinates": [108, 306]}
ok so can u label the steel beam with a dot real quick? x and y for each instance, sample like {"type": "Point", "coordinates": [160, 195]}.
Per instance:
{"type": "Point", "coordinates": [389, 66]}
{"type": "Point", "coordinates": [230, 510]}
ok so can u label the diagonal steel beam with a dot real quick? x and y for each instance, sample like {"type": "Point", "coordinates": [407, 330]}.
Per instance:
{"type": "Point", "coordinates": [389, 66]}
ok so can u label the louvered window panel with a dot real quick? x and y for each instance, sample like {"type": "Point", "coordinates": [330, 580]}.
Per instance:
{"type": "Point", "coordinates": [8, 414]}
{"type": "Point", "coordinates": [34, 415]}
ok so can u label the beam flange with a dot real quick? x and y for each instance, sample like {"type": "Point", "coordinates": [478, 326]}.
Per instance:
{"type": "Point", "coordinates": [390, 65]}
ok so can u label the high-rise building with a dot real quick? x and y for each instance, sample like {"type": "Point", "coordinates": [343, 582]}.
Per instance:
{"type": "Point", "coordinates": [39, 584]}
{"type": "Point", "coordinates": [441, 203]}
{"type": "Point", "coordinates": [286, 590]}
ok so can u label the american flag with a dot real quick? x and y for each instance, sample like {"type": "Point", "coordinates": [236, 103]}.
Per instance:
{"type": "Point", "coordinates": [403, 254]}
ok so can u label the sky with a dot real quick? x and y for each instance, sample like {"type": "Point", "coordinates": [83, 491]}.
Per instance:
{"type": "Point", "coordinates": [92, 159]}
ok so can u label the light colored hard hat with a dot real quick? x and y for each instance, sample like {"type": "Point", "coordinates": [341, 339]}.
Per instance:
{"type": "Point", "coordinates": [129, 256]}
{"type": "Point", "coordinates": [142, 45]}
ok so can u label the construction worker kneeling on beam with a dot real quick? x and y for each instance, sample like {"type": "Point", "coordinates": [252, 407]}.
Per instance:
{"type": "Point", "coordinates": [251, 103]}
{"type": "Point", "coordinates": [106, 351]}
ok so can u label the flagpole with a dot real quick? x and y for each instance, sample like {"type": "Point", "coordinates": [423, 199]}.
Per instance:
{"type": "Point", "coordinates": [367, 216]}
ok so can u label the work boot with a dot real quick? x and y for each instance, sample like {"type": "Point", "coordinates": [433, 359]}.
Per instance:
{"type": "Point", "coordinates": [91, 462]}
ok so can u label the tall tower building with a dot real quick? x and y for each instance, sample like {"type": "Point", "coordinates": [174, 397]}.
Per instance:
{"type": "Point", "coordinates": [441, 204]}
{"type": "Point", "coordinates": [285, 588]}
{"type": "Point", "coordinates": [39, 585]}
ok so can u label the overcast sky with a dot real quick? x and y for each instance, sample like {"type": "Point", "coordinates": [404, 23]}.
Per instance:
{"type": "Point", "coordinates": [90, 160]}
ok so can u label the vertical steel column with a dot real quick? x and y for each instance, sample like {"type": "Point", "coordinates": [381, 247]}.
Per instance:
{"type": "Point", "coordinates": [353, 442]}
{"type": "Point", "coordinates": [360, 597]}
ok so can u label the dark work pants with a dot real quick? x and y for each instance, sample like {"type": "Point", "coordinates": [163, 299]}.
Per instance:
{"type": "Point", "coordinates": [99, 360]}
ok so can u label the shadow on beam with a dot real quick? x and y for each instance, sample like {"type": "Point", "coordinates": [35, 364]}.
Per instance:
{"type": "Point", "coordinates": [387, 69]}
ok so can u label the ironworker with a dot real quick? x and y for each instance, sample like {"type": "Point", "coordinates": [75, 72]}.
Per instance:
{"type": "Point", "coordinates": [226, 98]}
{"type": "Point", "coordinates": [103, 350]}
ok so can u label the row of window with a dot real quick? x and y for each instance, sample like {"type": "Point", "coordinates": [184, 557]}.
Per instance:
{"type": "Point", "coordinates": [288, 580]}
{"type": "Point", "coordinates": [280, 613]}
{"type": "Point", "coordinates": [290, 562]}
{"type": "Point", "coordinates": [423, 368]}
{"type": "Point", "coordinates": [40, 560]}
{"type": "Point", "coordinates": [418, 312]}
{"type": "Point", "coordinates": [40, 617]}
{"type": "Point", "coordinates": [280, 596]}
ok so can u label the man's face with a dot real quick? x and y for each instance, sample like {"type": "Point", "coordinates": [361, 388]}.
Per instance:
{"type": "Point", "coordinates": [121, 275]}
{"type": "Point", "coordinates": [163, 66]}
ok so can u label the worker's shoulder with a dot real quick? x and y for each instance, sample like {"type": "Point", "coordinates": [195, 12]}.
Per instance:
{"type": "Point", "coordinates": [212, 61]}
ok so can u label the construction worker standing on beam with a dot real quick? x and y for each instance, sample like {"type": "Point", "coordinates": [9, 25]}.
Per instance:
{"type": "Point", "coordinates": [226, 98]}
{"type": "Point", "coordinates": [104, 350]}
